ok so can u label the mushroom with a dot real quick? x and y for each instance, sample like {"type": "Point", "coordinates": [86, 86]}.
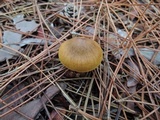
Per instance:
{"type": "Point", "coordinates": [80, 54]}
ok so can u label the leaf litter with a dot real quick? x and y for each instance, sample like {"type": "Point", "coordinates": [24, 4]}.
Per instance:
{"type": "Point", "coordinates": [31, 109]}
{"type": "Point", "coordinates": [14, 40]}
{"type": "Point", "coordinates": [126, 84]}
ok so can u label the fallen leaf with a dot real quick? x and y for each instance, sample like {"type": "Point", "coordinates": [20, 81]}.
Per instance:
{"type": "Point", "coordinates": [90, 30]}
{"type": "Point", "coordinates": [145, 52]}
{"type": "Point", "coordinates": [23, 25]}
{"type": "Point", "coordinates": [7, 53]}
{"type": "Point", "coordinates": [40, 33]}
{"type": "Point", "coordinates": [131, 90]}
{"type": "Point", "coordinates": [27, 26]}
{"type": "Point", "coordinates": [55, 115]}
{"type": "Point", "coordinates": [36, 41]}
{"type": "Point", "coordinates": [31, 109]}
{"type": "Point", "coordinates": [18, 18]}
{"type": "Point", "coordinates": [122, 33]}
{"type": "Point", "coordinates": [132, 80]}
{"type": "Point", "coordinates": [13, 40]}
{"type": "Point", "coordinates": [10, 37]}
{"type": "Point", "coordinates": [148, 53]}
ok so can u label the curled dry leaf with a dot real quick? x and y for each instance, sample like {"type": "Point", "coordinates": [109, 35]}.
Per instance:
{"type": "Point", "coordinates": [40, 33]}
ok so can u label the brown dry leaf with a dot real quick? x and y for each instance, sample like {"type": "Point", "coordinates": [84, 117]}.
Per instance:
{"type": "Point", "coordinates": [13, 94]}
{"type": "Point", "coordinates": [40, 33]}
{"type": "Point", "coordinates": [32, 108]}
{"type": "Point", "coordinates": [56, 115]}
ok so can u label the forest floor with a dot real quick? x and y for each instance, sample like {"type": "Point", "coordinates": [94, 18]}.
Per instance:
{"type": "Point", "coordinates": [34, 85]}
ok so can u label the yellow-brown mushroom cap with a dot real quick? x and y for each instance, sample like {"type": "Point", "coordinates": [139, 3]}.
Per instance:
{"type": "Point", "coordinates": [80, 54]}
